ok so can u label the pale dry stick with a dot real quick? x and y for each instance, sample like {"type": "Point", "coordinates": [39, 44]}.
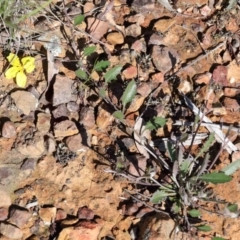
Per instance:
{"type": "Point", "coordinates": [179, 123]}
{"type": "Point", "coordinates": [130, 178]}
{"type": "Point", "coordinates": [105, 10]}
{"type": "Point", "coordinates": [219, 45]}
{"type": "Point", "coordinates": [139, 200]}
{"type": "Point", "coordinates": [219, 135]}
{"type": "Point", "coordinates": [187, 29]}
{"type": "Point", "coordinates": [219, 152]}
{"type": "Point", "coordinates": [79, 30]}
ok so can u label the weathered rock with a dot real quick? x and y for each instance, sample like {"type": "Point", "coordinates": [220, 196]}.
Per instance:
{"type": "Point", "coordinates": [32, 149]}
{"type": "Point", "coordinates": [60, 111]}
{"type": "Point", "coordinates": [8, 129]}
{"type": "Point", "coordinates": [69, 222]}
{"type": "Point", "coordinates": [51, 145]}
{"type": "Point", "coordinates": [84, 231]}
{"type": "Point", "coordinates": [87, 118]}
{"type": "Point", "coordinates": [19, 216]}
{"type": "Point", "coordinates": [115, 38]}
{"type": "Point", "coordinates": [133, 30]}
{"type": "Point", "coordinates": [130, 72]}
{"type": "Point", "coordinates": [5, 199]}
{"type": "Point", "coordinates": [74, 143]}
{"type": "Point", "coordinates": [73, 107]}
{"type": "Point", "coordinates": [163, 25]}
{"type": "Point", "coordinates": [10, 231]}
{"type": "Point", "coordinates": [231, 104]}
{"type": "Point", "coordinates": [159, 226]}
{"type": "Point", "coordinates": [85, 213]}
{"type": "Point", "coordinates": [65, 128]}
{"type": "Point", "coordinates": [144, 89]}
{"type": "Point", "coordinates": [25, 101]}
{"type": "Point", "coordinates": [97, 28]}
{"type": "Point", "coordinates": [43, 122]}
{"type": "Point", "coordinates": [6, 175]}
{"type": "Point", "coordinates": [139, 46]}
{"type": "Point", "coordinates": [104, 118]}
{"type": "Point", "coordinates": [29, 163]}
{"type": "Point", "coordinates": [185, 87]}
{"type": "Point", "coordinates": [33, 237]}
{"type": "Point", "coordinates": [202, 78]}
{"type": "Point", "coordinates": [3, 213]}
{"type": "Point", "coordinates": [164, 58]}
{"type": "Point", "coordinates": [62, 90]}
{"type": "Point", "coordinates": [60, 214]}
{"type": "Point", "coordinates": [47, 214]}
{"type": "Point", "coordinates": [65, 233]}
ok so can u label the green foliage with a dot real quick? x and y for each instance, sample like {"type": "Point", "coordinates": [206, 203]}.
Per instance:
{"type": "Point", "coordinates": [159, 196]}
{"type": "Point", "coordinates": [119, 115]}
{"type": "Point", "coordinates": [206, 145]}
{"type": "Point", "coordinates": [232, 208]}
{"type": "Point", "coordinates": [87, 51]}
{"type": "Point", "coordinates": [155, 123]}
{"type": "Point", "coordinates": [217, 238]}
{"type": "Point", "coordinates": [194, 213]}
{"type": "Point", "coordinates": [232, 167]}
{"type": "Point", "coordinates": [101, 65]}
{"type": "Point", "coordinates": [78, 19]}
{"type": "Point", "coordinates": [111, 74]}
{"type": "Point", "coordinates": [81, 74]}
{"type": "Point", "coordinates": [14, 12]}
{"type": "Point", "coordinates": [215, 178]}
{"type": "Point", "coordinates": [129, 94]}
{"type": "Point", "coordinates": [204, 228]}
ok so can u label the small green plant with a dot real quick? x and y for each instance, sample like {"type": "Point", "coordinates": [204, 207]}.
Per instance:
{"type": "Point", "coordinates": [184, 190]}
{"type": "Point", "coordinates": [13, 12]}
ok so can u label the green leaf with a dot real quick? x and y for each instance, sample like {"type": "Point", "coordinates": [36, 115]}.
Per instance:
{"type": "Point", "coordinates": [232, 208]}
{"type": "Point", "coordinates": [204, 228]}
{"type": "Point", "coordinates": [231, 4]}
{"type": "Point", "coordinates": [176, 207]}
{"type": "Point", "coordinates": [183, 137]}
{"type": "Point", "coordinates": [99, 66]}
{"type": "Point", "coordinates": [81, 74]}
{"type": "Point", "coordinates": [171, 149]}
{"type": "Point", "coordinates": [102, 92]}
{"type": "Point", "coordinates": [185, 165]}
{"type": "Point", "coordinates": [206, 145]}
{"type": "Point", "coordinates": [194, 213]}
{"type": "Point", "coordinates": [119, 115]}
{"type": "Point", "coordinates": [159, 196]}
{"type": "Point", "coordinates": [217, 238]}
{"type": "Point", "coordinates": [78, 19]}
{"type": "Point", "coordinates": [155, 123]}
{"type": "Point", "coordinates": [215, 177]}
{"type": "Point", "coordinates": [112, 74]}
{"type": "Point", "coordinates": [89, 50]}
{"type": "Point", "coordinates": [232, 167]}
{"type": "Point", "coordinates": [129, 93]}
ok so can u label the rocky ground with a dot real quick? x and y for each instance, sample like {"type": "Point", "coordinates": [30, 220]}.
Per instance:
{"type": "Point", "coordinates": [58, 136]}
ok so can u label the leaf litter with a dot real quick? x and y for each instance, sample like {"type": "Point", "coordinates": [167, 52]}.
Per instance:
{"type": "Point", "coordinates": [140, 55]}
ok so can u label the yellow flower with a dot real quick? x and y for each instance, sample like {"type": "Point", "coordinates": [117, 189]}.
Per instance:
{"type": "Point", "coordinates": [27, 64]}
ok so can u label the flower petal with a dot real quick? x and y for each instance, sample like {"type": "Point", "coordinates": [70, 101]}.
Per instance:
{"type": "Point", "coordinates": [12, 72]}
{"type": "Point", "coordinates": [28, 64]}
{"type": "Point", "coordinates": [21, 79]}
{"type": "Point", "coordinates": [14, 60]}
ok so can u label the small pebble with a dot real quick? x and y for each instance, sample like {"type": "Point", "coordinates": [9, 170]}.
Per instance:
{"type": "Point", "coordinates": [115, 38]}
{"type": "Point", "coordinates": [8, 130]}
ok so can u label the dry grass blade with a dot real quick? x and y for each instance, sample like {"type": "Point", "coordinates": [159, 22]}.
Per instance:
{"type": "Point", "coordinates": [219, 135]}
